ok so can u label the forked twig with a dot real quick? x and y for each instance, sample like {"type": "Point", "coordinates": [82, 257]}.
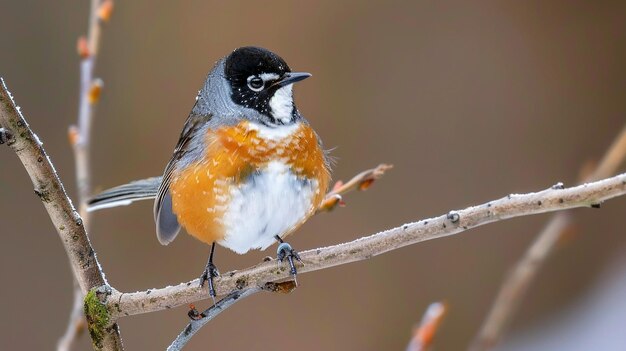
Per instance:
{"type": "Point", "coordinates": [361, 181]}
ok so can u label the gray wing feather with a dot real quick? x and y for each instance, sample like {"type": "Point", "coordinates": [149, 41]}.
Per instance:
{"type": "Point", "coordinates": [167, 226]}
{"type": "Point", "coordinates": [145, 189]}
{"type": "Point", "coordinates": [166, 221]}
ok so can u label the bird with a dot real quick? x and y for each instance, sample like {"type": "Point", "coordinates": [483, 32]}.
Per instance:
{"type": "Point", "coordinates": [248, 168]}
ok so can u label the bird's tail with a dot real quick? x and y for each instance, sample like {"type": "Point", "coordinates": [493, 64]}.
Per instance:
{"type": "Point", "coordinates": [144, 189]}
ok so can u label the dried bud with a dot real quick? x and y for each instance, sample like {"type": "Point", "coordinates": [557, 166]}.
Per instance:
{"type": "Point", "coordinates": [194, 314]}
{"type": "Point", "coordinates": [105, 10]}
{"type": "Point", "coordinates": [95, 90]}
{"type": "Point", "coordinates": [331, 202]}
{"type": "Point", "coordinates": [424, 334]}
{"type": "Point", "coordinates": [82, 47]}
{"type": "Point", "coordinates": [73, 135]}
{"type": "Point", "coordinates": [365, 184]}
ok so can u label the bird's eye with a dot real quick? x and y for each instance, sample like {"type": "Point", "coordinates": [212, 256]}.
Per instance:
{"type": "Point", "coordinates": [255, 83]}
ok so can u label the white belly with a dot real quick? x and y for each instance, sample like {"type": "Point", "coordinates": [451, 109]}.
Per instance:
{"type": "Point", "coordinates": [271, 202]}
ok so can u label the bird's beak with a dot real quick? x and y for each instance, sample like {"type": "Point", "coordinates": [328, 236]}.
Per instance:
{"type": "Point", "coordinates": [290, 78]}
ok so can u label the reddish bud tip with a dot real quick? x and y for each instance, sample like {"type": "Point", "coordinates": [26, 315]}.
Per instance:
{"type": "Point", "coordinates": [105, 10]}
{"type": "Point", "coordinates": [366, 184]}
{"type": "Point", "coordinates": [95, 91]}
{"type": "Point", "coordinates": [73, 135]}
{"type": "Point", "coordinates": [82, 47]}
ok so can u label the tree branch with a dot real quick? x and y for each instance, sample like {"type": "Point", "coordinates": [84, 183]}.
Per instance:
{"type": "Point", "coordinates": [514, 205]}
{"type": "Point", "coordinates": [198, 320]}
{"type": "Point", "coordinates": [517, 282]}
{"type": "Point", "coordinates": [80, 139]}
{"type": "Point", "coordinates": [195, 324]}
{"type": "Point", "coordinates": [67, 222]}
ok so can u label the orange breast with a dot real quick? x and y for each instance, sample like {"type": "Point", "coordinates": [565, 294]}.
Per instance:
{"type": "Point", "coordinates": [201, 191]}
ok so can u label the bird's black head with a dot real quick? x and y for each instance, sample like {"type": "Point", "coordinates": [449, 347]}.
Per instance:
{"type": "Point", "coordinates": [262, 80]}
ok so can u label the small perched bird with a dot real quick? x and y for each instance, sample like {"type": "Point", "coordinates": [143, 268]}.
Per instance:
{"type": "Point", "coordinates": [248, 168]}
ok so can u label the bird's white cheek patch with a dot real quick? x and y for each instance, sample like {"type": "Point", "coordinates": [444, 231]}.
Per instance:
{"type": "Point", "coordinates": [282, 103]}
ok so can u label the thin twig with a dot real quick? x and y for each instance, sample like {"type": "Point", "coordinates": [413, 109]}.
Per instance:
{"type": "Point", "coordinates": [198, 320]}
{"type": "Point", "coordinates": [424, 334]}
{"type": "Point", "coordinates": [361, 181]}
{"type": "Point", "coordinates": [195, 324]}
{"type": "Point", "coordinates": [514, 205]}
{"type": "Point", "coordinates": [67, 221]}
{"type": "Point", "coordinates": [517, 282]}
{"type": "Point", "coordinates": [80, 139]}
{"type": "Point", "coordinates": [76, 324]}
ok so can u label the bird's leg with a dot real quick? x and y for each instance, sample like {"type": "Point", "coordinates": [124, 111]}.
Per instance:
{"type": "Point", "coordinates": [286, 251]}
{"type": "Point", "coordinates": [210, 272]}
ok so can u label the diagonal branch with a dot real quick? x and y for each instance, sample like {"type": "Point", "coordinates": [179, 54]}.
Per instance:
{"type": "Point", "coordinates": [195, 324]}
{"type": "Point", "coordinates": [67, 222]}
{"type": "Point", "coordinates": [198, 320]}
{"type": "Point", "coordinates": [515, 205]}
{"type": "Point", "coordinates": [517, 282]}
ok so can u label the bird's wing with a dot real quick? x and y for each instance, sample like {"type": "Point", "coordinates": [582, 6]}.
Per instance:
{"type": "Point", "coordinates": [167, 226]}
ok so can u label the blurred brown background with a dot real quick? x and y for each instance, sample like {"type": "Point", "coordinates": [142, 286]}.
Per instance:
{"type": "Point", "coordinates": [469, 100]}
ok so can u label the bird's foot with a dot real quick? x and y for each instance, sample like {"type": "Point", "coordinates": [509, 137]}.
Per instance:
{"type": "Point", "coordinates": [285, 251]}
{"type": "Point", "coordinates": [210, 272]}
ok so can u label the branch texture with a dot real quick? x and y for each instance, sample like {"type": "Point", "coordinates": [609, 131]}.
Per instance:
{"type": "Point", "coordinates": [80, 139]}
{"type": "Point", "coordinates": [48, 187]}
{"type": "Point", "coordinates": [515, 205]}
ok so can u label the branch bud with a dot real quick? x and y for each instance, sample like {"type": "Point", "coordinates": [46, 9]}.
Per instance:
{"type": "Point", "coordinates": [95, 91]}
{"type": "Point", "coordinates": [82, 47]}
{"type": "Point", "coordinates": [73, 135]}
{"type": "Point", "coordinates": [105, 10]}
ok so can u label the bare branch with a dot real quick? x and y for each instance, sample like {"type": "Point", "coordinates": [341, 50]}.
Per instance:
{"type": "Point", "coordinates": [89, 95]}
{"type": "Point", "coordinates": [195, 324]}
{"type": "Point", "coordinates": [517, 282]}
{"type": "Point", "coordinates": [80, 139]}
{"type": "Point", "coordinates": [67, 222]}
{"type": "Point", "coordinates": [198, 320]}
{"type": "Point", "coordinates": [424, 334]}
{"type": "Point", "coordinates": [553, 199]}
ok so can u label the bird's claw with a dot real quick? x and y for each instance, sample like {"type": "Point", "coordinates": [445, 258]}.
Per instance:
{"type": "Point", "coordinates": [286, 251]}
{"type": "Point", "coordinates": [209, 273]}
